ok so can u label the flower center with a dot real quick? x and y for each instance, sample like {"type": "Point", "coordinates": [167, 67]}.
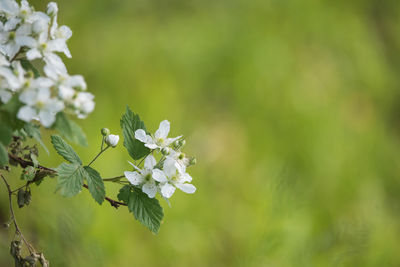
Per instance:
{"type": "Point", "coordinates": [147, 177]}
{"type": "Point", "coordinates": [40, 104]}
{"type": "Point", "coordinates": [12, 35]}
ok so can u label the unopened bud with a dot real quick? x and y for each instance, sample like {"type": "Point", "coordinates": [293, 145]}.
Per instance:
{"type": "Point", "coordinates": [166, 151]}
{"type": "Point", "coordinates": [112, 140]}
{"type": "Point", "coordinates": [181, 156]}
{"type": "Point", "coordinates": [105, 131]}
{"type": "Point", "coordinates": [182, 142]}
{"type": "Point", "coordinates": [192, 161]}
{"type": "Point", "coordinates": [52, 9]}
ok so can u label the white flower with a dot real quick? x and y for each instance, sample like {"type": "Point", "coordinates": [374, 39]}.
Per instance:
{"type": "Point", "coordinates": [12, 38]}
{"type": "Point", "coordinates": [43, 47]}
{"type": "Point", "coordinates": [83, 104]}
{"type": "Point", "coordinates": [144, 177]}
{"type": "Point", "coordinates": [112, 140]}
{"type": "Point", "coordinates": [159, 140]}
{"type": "Point", "coordinates": [180, 158]}
{"type": "Point", "coordinates": [65, 82]}
{"type": "Point", "coordinates": [173, 176]}
{"type": "Point", "coordinates": [39, 104]}
{"type": "Point", "coordinates": [10, 80]}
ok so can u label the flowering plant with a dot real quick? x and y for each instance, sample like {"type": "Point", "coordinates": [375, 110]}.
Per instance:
{"type": "Point", "coordinates": [36, 91]}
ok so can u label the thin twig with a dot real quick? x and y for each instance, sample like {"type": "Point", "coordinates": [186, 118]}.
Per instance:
{"type": "Point", "coordinates": [113, 178]}
{"type": "Point", "coordinates": [17, 229]}
{"type": "Point", "coordinates": [113, 202]}
{"type": "Point", "coordinates": [25, 163]}
{"type": "Point", "coordinates": [101, 151]}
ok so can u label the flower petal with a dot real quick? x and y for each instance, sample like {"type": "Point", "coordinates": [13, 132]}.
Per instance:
{"type": "Point", "coordinates": [26, 113]}
{"type": "Point", "coordinates": [167, 190]}
{"type": "Point", "coordinates": [159, 176]}
{"type": "Point", "coordinates": [150, 189]}
{"type": "Point", "coordinates": [133, 177]}
{"type": "Point", "coordinates": [140, 135]}
{"type": "Point", "coordinates": [187, 188]}
{"type": "Point", "coordinates": [150, 162]}
{"type": "Point", "coordinates": [163, 130]}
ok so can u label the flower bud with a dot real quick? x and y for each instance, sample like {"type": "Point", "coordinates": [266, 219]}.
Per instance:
{"type": "Point", "coordinates": [52, 9]}
{"type": "Point", "coordinates": [112, 140]}
{"type": "Point", "coordinates": [192, 161]}
{"type": "Point", "coordinates": [182, 142]}
{"type": "Point", "coordinates": [105, 131]}
{"type": "Point", "coordinates": [166, 151]}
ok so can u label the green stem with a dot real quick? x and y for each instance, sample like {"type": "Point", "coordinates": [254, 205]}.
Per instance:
{"type": "Point", "coordinates": [117, 178]}
{"type": "Point", "coordinates": [101, 152]}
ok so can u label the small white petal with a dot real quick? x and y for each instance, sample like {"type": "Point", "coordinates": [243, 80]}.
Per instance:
{"type": "Point", "coordinates": [167, 190]}
{"type": "Point", "coordinates": [170, 167]}
{"type": "Point", "coordinates": [159, 176]}
{"type": "Point", "coordinates": [150, 189]}
{"type": "Point", "coordinates": [5, 95]}
{"type": "Point", "coordinates": [25, 41]}
{"type": "Point", "coordinates": [33, 54]}
{"type": "Point", "coordinates": [150, 162]}
{"type": "Point", "coordinates": [140, 135]}
{"type": "Point", "coordinates": [163, 130]}
{"type": "Point", "coordinates": [133, 177]}
{"type": "Point", "coordinates": [187, 188]}
{"type": "Point", "coordinates": [26, 113]}
{"type": "Point", "coordinates": [47, 118]}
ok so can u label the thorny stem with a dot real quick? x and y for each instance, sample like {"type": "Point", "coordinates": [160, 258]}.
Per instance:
{"type": "Point", "coordinates": [101, 151]}
{"type": "Point", "coordinates": [17, 229]}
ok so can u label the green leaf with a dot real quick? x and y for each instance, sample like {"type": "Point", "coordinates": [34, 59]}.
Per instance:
{"type": "Point", "coordinates": [146, 210]}
{"type": "Point", "coordinates": [131, 122]}
{"type": "Point", "coordinates": [33, 132]}
{"type": "Point", "coordinates": [3, 156]}
{"type": "Point", "coordinates": [70, 130]}
{"type": "Point", "coordinates": [5, 135]}
{"type": "Point", "coordinates": [27, 65]}
{"type": "Point", "coordinates": [70, 179]}
{"type": "Point", "coordinates": [124, 193]}
{"type": "Point", "coordinates": [65, 150]}
{"type": "Point", "coordinates": [95, 184]}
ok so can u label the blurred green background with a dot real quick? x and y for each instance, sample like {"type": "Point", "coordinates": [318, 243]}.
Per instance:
{"type": "Point", "coordinates": [292, 108]}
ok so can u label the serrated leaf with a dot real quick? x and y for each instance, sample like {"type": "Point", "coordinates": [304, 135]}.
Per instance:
{"type": "Point", "coordinates": [3, 156]}
{"type": "Point", "coordinates": [146, 210]}
{"type": "Point", "coordinates": [65, 150]}
{"type": "Point", "coordinates": [131, 122]}
{"type": "Point", "coordinates": [70, 179]}
{"type": "Point", "coordinates": [70, 130]}
{"type": "Point", "coordinates": [95, 184]}
{"type": "Point", "coordinates": [124, 193]}
{"type": "Point", "coordinates": [5, 134]}
{"type": "Point", "coordinates": [33, 132]}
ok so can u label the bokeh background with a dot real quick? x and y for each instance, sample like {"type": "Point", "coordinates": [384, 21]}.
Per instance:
{"type": "Point", "coordinates": [292, 108]}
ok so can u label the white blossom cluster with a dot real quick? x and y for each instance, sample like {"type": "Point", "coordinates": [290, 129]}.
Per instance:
{"type": "Point", "coordinates": [26, 34]}
{"type": "Point", "coordinates": [170, 172]}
